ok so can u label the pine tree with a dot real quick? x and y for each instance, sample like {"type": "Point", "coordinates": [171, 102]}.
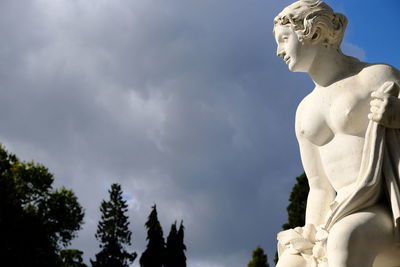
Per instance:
{"type": "Point", "coordinates": [259, 258]}
{"type": "Point", "coordinates": [72, 258]}
{"type": "Point", "coordinates": [113, 232]}
{"type": "Point", "coordinates": [153, 256]}
{"type": "Point", "coordinates": [175, 250]}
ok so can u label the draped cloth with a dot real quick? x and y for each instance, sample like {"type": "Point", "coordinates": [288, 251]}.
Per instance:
{"type": "Point", "coordinates": [380, 166]}
{"type": "Point", "coordinates": [380, 169]}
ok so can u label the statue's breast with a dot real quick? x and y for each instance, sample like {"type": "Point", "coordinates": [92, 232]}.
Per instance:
{"type": "Point", "coordinates": [340, 109]}
{"type": "Point", "coordinates": [348, 113]}
{"type": "Point", "coordinates": [312, 122]}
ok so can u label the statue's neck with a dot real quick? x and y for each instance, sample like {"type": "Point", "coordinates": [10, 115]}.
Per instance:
{"type": "Point", "coordinates": [331, 66]}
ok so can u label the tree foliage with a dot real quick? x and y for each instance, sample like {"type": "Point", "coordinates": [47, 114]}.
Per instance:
{"type": "Point", "coordinates": [154, 254]}
{"type": "Point", "coordinates": [113, 232]}
{"type": "Point", "coordinates": [72, 258]}
{"type": "Point", "coordinates": [259, 259]}
{"type": "Point", "coordinates": [36, 221]}
{"type": "Point", "coordinates": [298, 202]}
{"type": "Point", "coordinates": [175, 249]}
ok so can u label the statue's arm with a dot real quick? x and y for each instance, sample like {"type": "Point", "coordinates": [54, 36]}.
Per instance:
{"type": "Point", "coordinates": [321, 193]}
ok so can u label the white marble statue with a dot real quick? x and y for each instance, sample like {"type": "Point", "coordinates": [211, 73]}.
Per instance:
{"type": "Point", "coordinates": [348, 129]}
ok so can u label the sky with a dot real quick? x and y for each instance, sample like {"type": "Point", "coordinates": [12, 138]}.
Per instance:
{"type": "Point", "coordinates": [182, 102]}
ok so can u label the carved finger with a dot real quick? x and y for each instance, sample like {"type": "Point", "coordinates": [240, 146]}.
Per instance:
{"type": "Point", "coordinates": [379, 95]}
{"type": "Point", "coordinates": [374, 109]}
{"type": "Point", "coordinates": [375, 117]}
{"type": "Point", "coordinates": [385, 103]}
{"type": "Point", "coordinates": [376, 103]}
{"type": "Point", "coordinates": [387, 87]}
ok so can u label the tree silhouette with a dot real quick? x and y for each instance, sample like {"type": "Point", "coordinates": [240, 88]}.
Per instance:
{"type": "Point", "coordinates": [154, 254]}
{"type": "Point", "coordinates": [259, 258]}
{"type": "Point", "coordinates": [298, 202]}
{"type": "Point", "coordinates": [36, 221]}
{"type": "Point", "coordinates": [175, 249]}
{"type": "Point", "coordinates": [72, 258]}
{"type": "Point", "coordinates": [113, 232]}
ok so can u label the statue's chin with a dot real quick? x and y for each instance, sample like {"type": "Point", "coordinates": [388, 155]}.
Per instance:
{"type": "Point", "coordinates": [292, 67]}
{"type": "Point", "coordinates": [296, 68]}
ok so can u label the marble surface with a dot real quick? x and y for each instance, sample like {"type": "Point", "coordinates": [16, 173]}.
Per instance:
{"type": "Point", "coordinates": [348, 130]}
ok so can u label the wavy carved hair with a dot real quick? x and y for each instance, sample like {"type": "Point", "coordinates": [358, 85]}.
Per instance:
{"type": "Point", "coordinates": [307, 16]}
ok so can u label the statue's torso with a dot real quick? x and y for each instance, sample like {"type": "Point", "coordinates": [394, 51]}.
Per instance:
{"type": "Point", "coordinates": [335, 119]}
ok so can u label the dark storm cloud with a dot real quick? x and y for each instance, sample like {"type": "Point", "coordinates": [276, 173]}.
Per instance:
{"type": "Point", "coordinates": [183, 102]}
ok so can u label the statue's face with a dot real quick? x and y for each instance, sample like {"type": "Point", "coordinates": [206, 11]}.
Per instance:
{"type": "Point", "coordinates": [299, 56]}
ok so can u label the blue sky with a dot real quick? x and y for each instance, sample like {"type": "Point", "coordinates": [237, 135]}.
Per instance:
{"type": "Point", "coordinates": [373, 26]}
{"type": "Point", "coordinates": [183, 102]}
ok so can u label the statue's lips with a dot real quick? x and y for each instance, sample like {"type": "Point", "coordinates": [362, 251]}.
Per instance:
{"type": "Point", "coordinates": [287, 60]}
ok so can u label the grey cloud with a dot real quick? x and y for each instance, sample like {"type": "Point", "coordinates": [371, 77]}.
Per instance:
{"type": "Point", "coordinates": [183, 102]}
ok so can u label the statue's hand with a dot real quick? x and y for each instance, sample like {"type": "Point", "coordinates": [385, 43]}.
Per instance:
{"type": "Point", "coordinates": [385, 106]}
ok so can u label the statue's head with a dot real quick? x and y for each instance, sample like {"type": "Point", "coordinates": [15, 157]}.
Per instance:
{"type": "Point", "coordinates": [313, 19]}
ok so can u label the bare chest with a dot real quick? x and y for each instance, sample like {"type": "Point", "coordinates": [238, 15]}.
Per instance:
{"type": "Point", "coordinates": [330, 111]}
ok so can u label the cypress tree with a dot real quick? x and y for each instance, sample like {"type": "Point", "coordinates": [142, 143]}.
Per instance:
{"type": "Point", "coordinates": [259, 258]}
{"type": "Point", "coordinates": [181, 246]}
{"type": "Point", "coordinates": [298, 202]}
{"type": "Point", "coordinates": [154, 254]}
{"type": "Point", "coordinates": [113, 232]}
{"type": "Point", "coordinates": [175, 250]}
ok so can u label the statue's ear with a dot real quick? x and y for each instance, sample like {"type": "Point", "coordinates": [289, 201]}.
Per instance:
{"type": "Point", "coordinates": [317, 35]}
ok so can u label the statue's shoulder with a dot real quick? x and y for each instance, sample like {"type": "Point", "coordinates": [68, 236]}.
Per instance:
{"type": "Point", "coordinates": [304, 103]}
{"type": "Point", "coordinates": [378, 73]}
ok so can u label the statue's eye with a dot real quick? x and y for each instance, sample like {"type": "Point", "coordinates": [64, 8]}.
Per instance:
{"type": "Point", "coordinates": [285, 38]}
